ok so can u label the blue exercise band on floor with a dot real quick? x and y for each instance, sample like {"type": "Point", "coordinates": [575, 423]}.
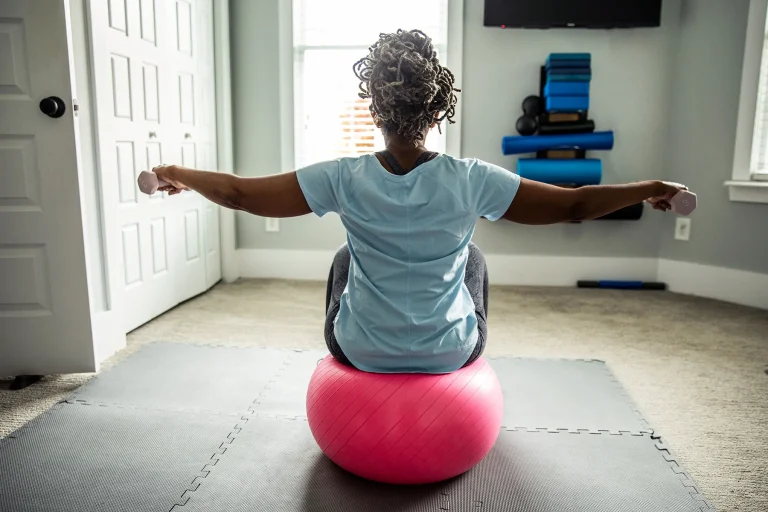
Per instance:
{"type": "Point", "coordinates": [582, 171]}
{"type": "Point", "coordinates": [622, 285]}
{"type": "Point", "coordinates": [516, 145]}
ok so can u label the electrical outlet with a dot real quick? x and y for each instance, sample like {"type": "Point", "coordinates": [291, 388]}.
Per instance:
{"type": "Point", "coordinates": [273, 225]}
{"type": "Point", "coordinates": [683, 229]}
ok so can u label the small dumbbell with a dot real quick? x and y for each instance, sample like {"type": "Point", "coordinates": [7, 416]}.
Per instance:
{"type": "Point", "coordinates": [149, 182]}
{"type": "Point", "coordinates": [528, 123]}
{"type": "Point", "coordinates": [683, 203]}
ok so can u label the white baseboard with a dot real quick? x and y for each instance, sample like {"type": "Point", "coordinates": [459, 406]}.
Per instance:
{"type": "Point", "coordinates": [533, 270]}
{"type": "Point", "coordinates": [736, 286]}
{"type": "Point", "coordinates": [726, 284]}
{"type": "Point", "coordinates": [524, 270]}
{"type": "Point", "coordinates": [285, 264]}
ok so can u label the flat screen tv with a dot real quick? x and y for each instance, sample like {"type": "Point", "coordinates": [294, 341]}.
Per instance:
{"type": "Point", "coordinates": [572, 13]}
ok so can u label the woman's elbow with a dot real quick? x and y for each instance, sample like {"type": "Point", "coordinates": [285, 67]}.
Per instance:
{"type": "Point", "coordinates": [233, 197]}
{"type": "Point", "coordinates": [576, 211]}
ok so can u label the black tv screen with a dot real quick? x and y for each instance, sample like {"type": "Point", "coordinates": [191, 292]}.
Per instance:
{"type": "Point", "coordinates": [572, 13]}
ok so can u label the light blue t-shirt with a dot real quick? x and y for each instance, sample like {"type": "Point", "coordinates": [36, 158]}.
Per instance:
{"type": "Point", "coordinates": [406, 308]}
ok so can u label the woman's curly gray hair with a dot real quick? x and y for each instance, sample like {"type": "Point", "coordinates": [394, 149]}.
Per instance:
{"type": "Point", "coordinates": [408, 88]}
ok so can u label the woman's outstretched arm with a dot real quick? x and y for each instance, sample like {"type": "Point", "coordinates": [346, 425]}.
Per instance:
{"type": "Point", "coordinates": [275, 196]}
{"type": "Point", "coordinates": [539, 203]}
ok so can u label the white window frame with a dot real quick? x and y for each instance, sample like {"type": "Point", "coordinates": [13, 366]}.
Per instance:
{"type": "Point", "coordinates": [743, 186]}
{"type": "Point", "coordinates": [288, 85]}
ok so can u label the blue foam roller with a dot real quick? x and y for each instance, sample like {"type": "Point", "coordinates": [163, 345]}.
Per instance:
{"type": "Point", "coordinates": [569, 78]}
{"type": "Point", "coordinates": [580, 171]}
{"type": "Point", "coordinates": [515, 145]}
{"type": "Point", "coordinates": [566, 89]}
{"type": "Point", "coordinates": [567, 103]}
{"type": "Point", "coordinates": [557, 64]}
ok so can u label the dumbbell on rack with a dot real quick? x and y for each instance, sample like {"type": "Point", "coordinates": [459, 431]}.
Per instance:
{"type": "Point", "coordinates": [528, 123]}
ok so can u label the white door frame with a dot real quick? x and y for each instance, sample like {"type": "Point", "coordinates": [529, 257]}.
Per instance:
{"type": "Point", "coordinates": [230, 268]}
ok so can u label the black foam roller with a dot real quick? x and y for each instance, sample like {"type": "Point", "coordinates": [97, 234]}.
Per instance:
{"type": "Point", "coordinates": [634, 212]}
{"type": "Point", "coordinates": [577, 127]}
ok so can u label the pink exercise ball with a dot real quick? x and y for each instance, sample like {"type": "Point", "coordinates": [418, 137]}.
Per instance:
{"type": "Point", "coordinates": [404, 428]}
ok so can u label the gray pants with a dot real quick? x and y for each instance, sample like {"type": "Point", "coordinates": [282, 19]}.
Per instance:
{"type": "Point", "coordinates": [475, 279]}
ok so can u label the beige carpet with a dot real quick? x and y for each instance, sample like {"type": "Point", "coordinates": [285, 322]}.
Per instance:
{"type": "Point", "coordinates": [696, 368]}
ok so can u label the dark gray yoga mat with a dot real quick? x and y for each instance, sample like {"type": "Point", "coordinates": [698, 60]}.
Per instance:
{"type": "Point", "coordinates": [223, 428]}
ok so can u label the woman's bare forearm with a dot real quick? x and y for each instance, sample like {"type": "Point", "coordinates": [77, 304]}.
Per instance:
{"type": "Point", "coordinates": [595, 201]}
{"type": "Point", "coordinates": [538, 203]}
{"type": "Point", "coordinates": [277, 195]}
{"type": "Point", "coordinates": [220, 188]}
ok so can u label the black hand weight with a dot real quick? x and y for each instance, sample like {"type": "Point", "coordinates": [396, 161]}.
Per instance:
{"type": "Point", "coordinates": [532, 106]}
{"type": "Point", "coordinates": [527, 125]}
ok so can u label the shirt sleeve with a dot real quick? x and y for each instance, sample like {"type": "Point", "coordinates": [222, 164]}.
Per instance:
{"type": "Point", "coordinates": [493, 189]}
{"type": "Point", "coordinates": [320, 185]}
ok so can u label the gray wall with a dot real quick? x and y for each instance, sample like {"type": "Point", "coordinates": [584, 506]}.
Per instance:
{"type": "Point", "coordinates": [702, 120]}
{"type": "Point", "coordinates": [256, 126]}
{"type": "Point", "coordinates": [630, 95]}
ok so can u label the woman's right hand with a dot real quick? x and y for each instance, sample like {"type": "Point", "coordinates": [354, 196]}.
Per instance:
{"type": "Point", "coordinates": [667, 190]}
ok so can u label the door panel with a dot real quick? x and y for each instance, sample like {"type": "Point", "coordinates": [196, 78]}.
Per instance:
{"type": "Point", "coordinates": [45, 319]}
{"type": "Point", "coordinates": [147, 114]}
{"type": "Point", "coordinates": [148, 27]}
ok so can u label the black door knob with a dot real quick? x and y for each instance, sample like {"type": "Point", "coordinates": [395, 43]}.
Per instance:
{"type": "Point", "coordinates": [53, 106]}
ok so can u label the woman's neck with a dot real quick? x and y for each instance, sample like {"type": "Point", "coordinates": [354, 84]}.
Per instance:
{"type": "Point", "coordinates": [405, 151]}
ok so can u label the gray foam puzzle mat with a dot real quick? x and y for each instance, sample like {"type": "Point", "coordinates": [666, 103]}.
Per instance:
{"type": "Point", "coordinates": [556, 394]}
{"type": "Point", "coordinates": [83, 458]}
{"type": "Point", "coordinates": [184, 427]}
{"type": "Point", "coordinates": [172, 376]}
{"type": "Point", "coordinates": [563, 394]}
{"type": "Point", "coordinates": [286, 394]}
{"type": "Point", "coordinates": [526, 471]}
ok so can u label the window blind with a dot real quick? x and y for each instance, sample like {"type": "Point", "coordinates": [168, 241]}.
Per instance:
{"type": "Point", "coordinates": [332, 121]}
{"type": "Point", "coordinates": [359, 22]}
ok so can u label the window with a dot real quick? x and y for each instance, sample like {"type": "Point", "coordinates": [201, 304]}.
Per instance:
{"type": "Point", "coordinates": [329, 36]}
{"type": "Point", "coordinates": [750, 161]}
{"type": "Point", "coordinates": [758, 167]}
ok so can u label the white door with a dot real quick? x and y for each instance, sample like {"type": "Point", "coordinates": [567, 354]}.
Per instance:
{"type": "Point", "coordinates": [45, 319]}
{"type": "Point", "coordinates": [148, 82]}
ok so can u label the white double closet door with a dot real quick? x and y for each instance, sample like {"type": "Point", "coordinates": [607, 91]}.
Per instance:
{"type": "Point", "coordinates": [153, 78]}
